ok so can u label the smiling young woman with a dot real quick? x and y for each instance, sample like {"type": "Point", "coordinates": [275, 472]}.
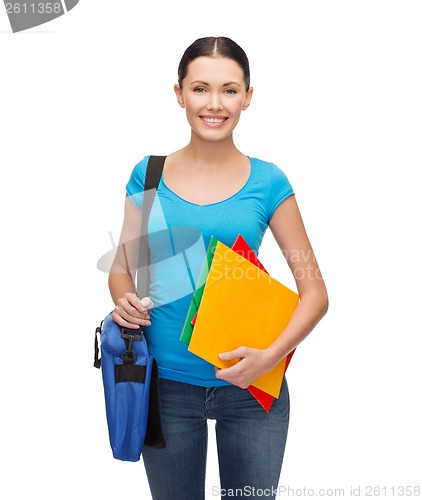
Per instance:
{"type": "Point", "coordinates": [210, 188]}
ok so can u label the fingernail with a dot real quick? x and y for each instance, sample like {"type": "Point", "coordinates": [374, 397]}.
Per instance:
{"type": "Point", "coordinates": [146, 301]}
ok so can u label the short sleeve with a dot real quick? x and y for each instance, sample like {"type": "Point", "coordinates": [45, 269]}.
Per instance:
{"type": "Point", "coordinates": [280, 189]}
{"type": "Point", "coordinates": [135, 186]}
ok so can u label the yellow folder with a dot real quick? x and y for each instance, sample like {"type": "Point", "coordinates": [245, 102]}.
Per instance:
{"type": "Point", "coordinates": [241, 305]}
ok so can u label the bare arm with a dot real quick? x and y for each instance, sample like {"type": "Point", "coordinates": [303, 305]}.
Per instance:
{"type": "Point", "coordinates": [289, 231]}
{"type": "Point", "coordinates": [130, 310]}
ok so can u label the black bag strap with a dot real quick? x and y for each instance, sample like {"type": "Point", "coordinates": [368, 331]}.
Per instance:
{"type": "Point", "coordinates": [154, 170]}
{"type": "Point", "coordinates": [152, 180]}
{"type": "Point", "coordinates": [97, 359]}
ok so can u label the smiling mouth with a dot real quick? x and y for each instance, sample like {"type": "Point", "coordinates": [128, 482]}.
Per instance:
{"type": "Point", "coordinates": [214, 120]}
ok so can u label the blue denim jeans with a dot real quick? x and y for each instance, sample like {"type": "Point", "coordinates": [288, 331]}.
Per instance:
{"type": "Point", "coordinates": [250, 442]}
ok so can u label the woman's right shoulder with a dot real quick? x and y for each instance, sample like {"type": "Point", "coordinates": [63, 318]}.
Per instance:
{"type": "Point", "coordinates": [141, 166]}
{"type": "Point", "coordinates": [140, 169]}
{"type": "Point", "coordinates": [135, 185]}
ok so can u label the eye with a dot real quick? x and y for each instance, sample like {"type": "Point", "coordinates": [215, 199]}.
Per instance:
{"type": "Point", "coordinates": [199, 90]}
{"type": "Point", "coordinates": [230, 91]}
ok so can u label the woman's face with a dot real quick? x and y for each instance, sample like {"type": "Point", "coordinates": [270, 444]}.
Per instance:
{"type": "Point", "coordinates": [214, 95]}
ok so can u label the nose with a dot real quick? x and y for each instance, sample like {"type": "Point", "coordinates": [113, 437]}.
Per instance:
{"type": "Point", "coordinates": [214, 103]}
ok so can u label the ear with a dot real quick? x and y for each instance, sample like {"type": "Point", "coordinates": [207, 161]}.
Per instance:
{"type": "Point", "coordinates": [179, 95]}
{"type": "Point", "coordinates": [248, 99]}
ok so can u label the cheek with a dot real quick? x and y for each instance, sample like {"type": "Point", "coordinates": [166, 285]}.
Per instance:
{"type": "Point", "coordinates": [194, 104]}
{"type": "Point", "coordinates": [191, 113]}
{"type": "Point", "coordinates": [235, 106]}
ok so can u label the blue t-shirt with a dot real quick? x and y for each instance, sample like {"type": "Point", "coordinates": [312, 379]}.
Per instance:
{"type": "Point", "coordinates": [179, 234]}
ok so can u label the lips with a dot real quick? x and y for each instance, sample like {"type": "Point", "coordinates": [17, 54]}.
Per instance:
{"type": "Point", "coordinates": [213, 120]}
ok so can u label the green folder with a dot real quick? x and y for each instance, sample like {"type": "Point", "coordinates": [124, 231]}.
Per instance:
{"type": "Point", "coordinates": [197, 295]}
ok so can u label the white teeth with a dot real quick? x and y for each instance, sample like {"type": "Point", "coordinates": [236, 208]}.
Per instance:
{"type": "Point", "coordinates": [213, 120]}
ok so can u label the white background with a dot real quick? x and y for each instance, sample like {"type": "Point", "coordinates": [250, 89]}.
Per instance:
{"type": "Point", "coordinates": [337, 106]}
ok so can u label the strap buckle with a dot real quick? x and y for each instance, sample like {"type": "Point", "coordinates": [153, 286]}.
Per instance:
{"type": "Point", "coordinates": [129, 336]}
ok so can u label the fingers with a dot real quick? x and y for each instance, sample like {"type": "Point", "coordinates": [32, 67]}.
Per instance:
{"type": "Point", "coordinates": [122, 322]}
{"type": "Point", "coordinates": [233, 376]}
{"type": "Point", "coordinates": [140, 305]}
{"type": "Point", "coordinates": [146, 303]}
{"type": "Point", "coordinates": [244, 371]}
{"type": "Point", "coordinates": [132, 312]}
{"type": "Point", "coordinates": [240, 352]}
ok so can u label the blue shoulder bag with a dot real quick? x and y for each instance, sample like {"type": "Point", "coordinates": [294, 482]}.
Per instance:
{"type": "Point", "coordinates": [129, 372]}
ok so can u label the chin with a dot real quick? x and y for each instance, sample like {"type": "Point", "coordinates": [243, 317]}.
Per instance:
{"type": "Point", "coordinates": [212, 137]}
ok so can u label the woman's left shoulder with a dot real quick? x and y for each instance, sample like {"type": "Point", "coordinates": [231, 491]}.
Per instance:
{"type": "Point", "coordinates": [261, 163]}
{"type": "Point", "coordinates": [266, 167]}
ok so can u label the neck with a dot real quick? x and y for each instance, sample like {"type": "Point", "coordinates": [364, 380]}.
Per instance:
{"type": "Point", "coordinates": [209, 152]}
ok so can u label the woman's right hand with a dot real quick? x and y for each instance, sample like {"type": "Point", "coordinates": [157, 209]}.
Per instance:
{"type": "Point", "coordinates": [131, 311]}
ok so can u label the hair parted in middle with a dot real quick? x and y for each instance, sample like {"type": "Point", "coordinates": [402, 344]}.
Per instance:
{"type": "Point", "coordinates": [212, 46]}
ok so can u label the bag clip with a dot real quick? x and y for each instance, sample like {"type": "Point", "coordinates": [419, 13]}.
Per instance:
{"type": "Point", "coordinates": [129, 336]}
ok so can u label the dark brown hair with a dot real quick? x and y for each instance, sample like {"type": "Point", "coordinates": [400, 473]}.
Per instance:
{"type": "Point", "coordinates": [211, 46]}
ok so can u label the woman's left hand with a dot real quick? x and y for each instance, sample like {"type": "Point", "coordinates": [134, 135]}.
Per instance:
{"type": "Point", "coordinates": [252, 364]}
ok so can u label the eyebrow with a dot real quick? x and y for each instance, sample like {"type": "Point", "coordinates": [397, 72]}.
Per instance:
{"type": "Point", "coordinates": [224, 84]}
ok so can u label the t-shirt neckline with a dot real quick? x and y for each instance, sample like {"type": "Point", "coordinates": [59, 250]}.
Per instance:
{"type": "Point", "coordinates": [237, 193]}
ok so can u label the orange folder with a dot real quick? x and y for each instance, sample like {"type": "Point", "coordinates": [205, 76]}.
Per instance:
{"type": "Point", "coordinates": [241, 305]}
{"type": "Point", "coordinates": [241, 247]}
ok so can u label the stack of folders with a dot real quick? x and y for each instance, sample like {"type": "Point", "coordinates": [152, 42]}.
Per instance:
{"type": "Point", "coordinates": [237, 303]}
